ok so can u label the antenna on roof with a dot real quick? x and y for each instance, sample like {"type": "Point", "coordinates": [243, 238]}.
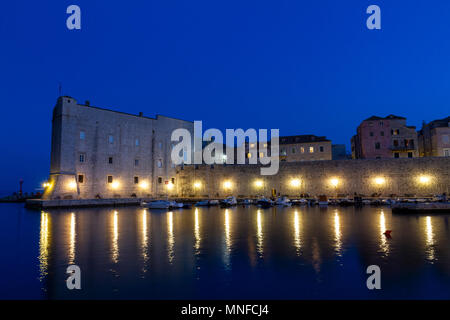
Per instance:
{"type": "Point", "coordinates": [60, 89]}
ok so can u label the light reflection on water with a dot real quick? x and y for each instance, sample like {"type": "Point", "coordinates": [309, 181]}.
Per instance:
{"type": "Point", "coordinates": [72, 242]}
{"type": "Point", "coordinates": [259, 234]}
{"type": "Point", "coordinates": [144, 239]}
{"type": "Point", "coordinates": [115, 237]}
{"type": "Point", "coordinates": [337, 234]}
{"type": "Point", "coordinates": [170, 237]}
{"type": "Point", "coordinates": [44, 244]}
{"type": "Point", "coordinates": [430, 240]}
{"type": "Point", "coordinates": [384, 244]}
{"type": "Point", "coordinates": [298, 239]}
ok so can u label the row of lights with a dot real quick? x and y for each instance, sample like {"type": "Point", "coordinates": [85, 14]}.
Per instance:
{"type": "Point", "coordinates": [72, 185]}
{"type": "Point", "coordinates": [295, 183]}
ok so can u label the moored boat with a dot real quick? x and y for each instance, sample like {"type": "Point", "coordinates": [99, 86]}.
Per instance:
{"type": "Point", "coordinates": [264, 203]}
{"type": "Point", "coordinates": [157, 204]}
{"type": "Point", "coordinates": [283, 201]}
{"type": "Point", "coordinates": [229, 202]}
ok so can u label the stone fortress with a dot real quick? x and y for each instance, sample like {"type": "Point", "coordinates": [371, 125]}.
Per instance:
{"type": "Point", "coordinates": [105, 154]}
{"type": "Point", "coordinates": [100, 153]}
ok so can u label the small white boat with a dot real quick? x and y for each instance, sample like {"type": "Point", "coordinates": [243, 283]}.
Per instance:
{"type": "Point", "coordinates": [175, 205]}
{"type": "Point", "coordinates": [157, 204]}
{"type": "Point", "coordinates": [213, 202]}
{"type": "Point", "coordinates": [228, 202]}
{"type": "Point", "coordinates": [283, 201]}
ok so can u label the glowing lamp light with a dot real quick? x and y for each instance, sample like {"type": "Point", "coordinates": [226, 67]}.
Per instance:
{"type": "Point", "coordinates": [258, 183]}
{"type": "Point", "coordinates": [170, 186]}
{"type": "Point", "coordinates": [143, 185]}
{"type": "Point", "coordinates": [197, 185]}
{"type": "Point", "coordinates": [424, 179]}
{"type": "Point", "coordinates": [72, 185]}
{"type": "Point", "coordinates": [295, 183]}
{"type": "Point", "coordinates": [46, 185]}
{"type": "Point", "coordinates": [334, 182]}
{"type": "Point", "coordinates": [380, 181]}
{"type": "Point", "coordinates": [115, 185]}
{"type": "Point", "coordinates": [227, 184]}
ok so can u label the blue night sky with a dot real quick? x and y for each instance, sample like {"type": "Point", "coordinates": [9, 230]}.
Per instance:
{"type": "Point", "coordinates": [300, 66]}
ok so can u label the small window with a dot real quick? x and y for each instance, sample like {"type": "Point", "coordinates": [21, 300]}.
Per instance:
{"type": "Point", "coordinates": [302, 149]}
{"type": "Point", "coordinates": [371, 134]}
{"type": "Point", "coordinates": [321, 149]}
{"type": "Point", "coordinates": [110, 160]}
{"type": "Point", "coordinates": [136, 180]}
{"type": "Point", "coordinates": [283, 152]}
{"type": "Point", "coordinates": [173, 180]}
{"type": "Point", "coordinates": [160, 145]}
{"type": "Point", "coordinates": [159, 179]}
{"type": "Point", "coordinates": [382, 133]}
{"type": "Point", "coordinates": [110, 179]}
{"type": "Point", "coordinates": [410, 154]}
{"type": "Point", "coordinates": [136, 142]}
{"type": "Point", "coordinates": [381, 123]}
{"type": "Point", "coordinates": [377, 145]}
{"type": "Point", "coordinates": [111, 139]}
{"type": "Point", "coordinates": [396, 155]}
{"type": "Point", "coordinates": [293, 150]}
{"type": "Point", "coordinates": [311, 149]}
{"type": "Point", "coordinates": [136, 162]}
{"type": "Point", "coordinates": [82, 135]}
{"type": "Point", "coordinates": [445, 138]}
{"type": "Point", "coordinates": [82, 157]}
{"type": "Point", "coordinates": [249, 155]}
{"type": "Point", "coordinates": [159, 163]}
{"type": "Point", "coordinates": [261, 154]}
{"type": "Point", "coordinates": [80, 178]}
{"type": "Point", "coordinates": [395, 143]}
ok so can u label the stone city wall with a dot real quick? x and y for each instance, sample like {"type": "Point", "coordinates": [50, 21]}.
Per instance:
{"type": "Point", "coordinates": [401, 177]}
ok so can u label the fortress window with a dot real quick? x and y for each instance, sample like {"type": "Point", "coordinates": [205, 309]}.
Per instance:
{"type": "Point", "coordinates": [160, 145]}
{"type": "Point", "coordinates": [293, 150]}
{"type": "Point", "coordinates": [136, 180]}
{"type": "Point", "coordinates": [396, 155]}
{"type": "Point", "coordinates": [159, 179]}
{"type": "Point", "coordinates": [302, 149]}
{"type": "Point", "coordinates": [173, 180]}
{"type": "Point", "coordinates": [136, 162]}
{"type": "Point", "coordinates": [110, 160]}
{"type": "Point", "coordinates": [82, 157]}
{"type": "Point", "coordinates": [82, 135]}
{"type": "Point", "coordinates": [377, 145]}
{"type": "Point", "coordinates": [111, 139]}
{"type": "Point", "coordinates": [382, 133]}
{"type": "Point", "coordinates": [159, 163]}
{"type": "Point", "coordinates": [410, 154]}
{"type": "Point", "coordinates": [261, 154]}
{"type": "Point", "coordinates": [136, 142]}
{"type": "Point", "coordinates": [80, 178]}
{"type": "Point", "coordinates": [371, 134]}
{"type": "Point", "coordinates": [110, 179]}
{"type": "Point", "coordinates": [321, 148]}
{"type": "Point", "coordinates": [311, 149]}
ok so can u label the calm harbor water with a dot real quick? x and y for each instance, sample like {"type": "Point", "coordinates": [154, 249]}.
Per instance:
{"type": "Point", "coordinates": [215, 253]}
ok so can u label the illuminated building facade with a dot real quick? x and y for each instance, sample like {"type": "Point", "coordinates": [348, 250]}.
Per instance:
{"type": "Point", "coordinates": [100, 153]}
